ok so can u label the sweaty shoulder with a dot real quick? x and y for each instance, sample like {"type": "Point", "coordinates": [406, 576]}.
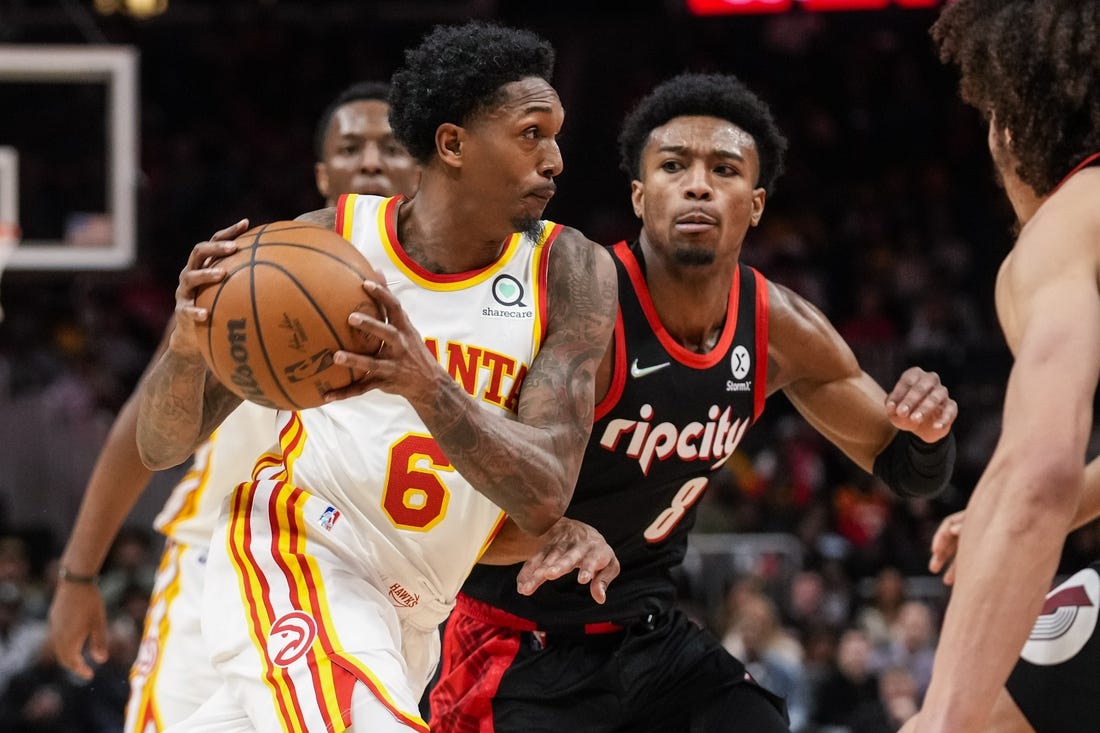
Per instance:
{"type": "Point", "coordinates": [802, 343]}
{"type": "Point", "coordinates": [322, 217]}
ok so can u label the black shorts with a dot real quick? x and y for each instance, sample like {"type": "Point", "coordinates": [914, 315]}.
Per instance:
{"type": "Point", "coordinates": [664, 675]}
{"type": "Point", "coordinates": [1056, 683]}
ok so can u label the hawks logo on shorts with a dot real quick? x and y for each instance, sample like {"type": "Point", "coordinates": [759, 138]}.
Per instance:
{"type": "Point", "coordinates": [1067, 621]}
{"type": "Point", "coordinates": [291, 637]}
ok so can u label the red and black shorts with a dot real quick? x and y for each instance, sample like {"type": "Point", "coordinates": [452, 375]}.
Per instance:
{"type": "Point", "coordinates": [663, 673]}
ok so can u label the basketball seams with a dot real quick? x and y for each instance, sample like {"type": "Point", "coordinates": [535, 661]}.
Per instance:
{"type": "Point", "coordinates": [300, 281]}
{"type": "Point", "coordinates": [312, 302]}
{"type": "Point", "coordinates": [260, 340]}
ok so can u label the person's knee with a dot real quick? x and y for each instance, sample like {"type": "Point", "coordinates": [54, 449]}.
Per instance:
{"type": "Point", "coordinates": [745, 707]}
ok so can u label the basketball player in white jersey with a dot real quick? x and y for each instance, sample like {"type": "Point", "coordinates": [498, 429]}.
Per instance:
{"type": "Point", "coordinates": [337, 563]}
{"type": "Point", "coordinates": [172, 676]}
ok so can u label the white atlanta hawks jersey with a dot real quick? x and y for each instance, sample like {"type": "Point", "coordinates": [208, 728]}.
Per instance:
{"type": "Point", "coordinates": [421, 524]}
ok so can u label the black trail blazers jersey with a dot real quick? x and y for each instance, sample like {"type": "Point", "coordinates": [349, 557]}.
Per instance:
{"type": "Point", "coordinates": [670, 419]}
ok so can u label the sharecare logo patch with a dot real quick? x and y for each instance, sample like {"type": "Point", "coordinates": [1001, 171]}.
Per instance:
{"type": "Point", "coordinates": [1067, 621]}
{"type": "Point", "coordinates": [714, 440]}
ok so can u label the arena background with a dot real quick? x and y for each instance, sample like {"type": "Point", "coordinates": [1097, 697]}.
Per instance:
{"type": "Point", "coordinates": [888, 218]}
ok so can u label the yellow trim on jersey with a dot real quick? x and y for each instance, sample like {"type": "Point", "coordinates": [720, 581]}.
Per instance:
{"type": "Point", "coordinates": [348, 214]}
{"type": "Point", "coordinates": [492, 536]}
{"type": "Point", "coordinates": [201, 479]}
{"type": "Point", "coordinates": [160, 604]}
{"type": "Point", "coordinates": [476, 278]}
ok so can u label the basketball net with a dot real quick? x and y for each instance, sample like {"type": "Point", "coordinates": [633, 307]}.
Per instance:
{"type": "Point", "coordinates": [9, 237]}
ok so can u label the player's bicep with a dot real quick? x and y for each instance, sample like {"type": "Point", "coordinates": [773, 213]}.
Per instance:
{"type": "Point", "coordinates": [1057, 366]}
{"type": "Point", "coordinates": [820, 375]}
{"type": "Point", "coordinates": [558, 392]}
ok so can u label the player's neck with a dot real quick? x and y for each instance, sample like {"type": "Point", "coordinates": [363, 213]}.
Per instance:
{"type": "Point", "coordinates": [691, 308]}
{"type": "Point", "coordinates": [1023, 199]}
{"type": "Point", "coordinates": [441, 239]}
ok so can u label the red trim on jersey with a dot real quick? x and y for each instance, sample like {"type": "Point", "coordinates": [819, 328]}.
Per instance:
{"type": "Point", "coordinates": [1083, 164]}
{"type": "Point", "coordinates": [618, 371]}
{"type": "Point", "coordinates": [544, 274]}
{"type": "Point", "coordinates": [390, 217]}
{"type": "Point", "coordinates": [414, 266]}
{"type": "Point", "coordinates": [675, 350]}
{"type": "Point", "coordinates": [340, 201]}
{"type": "Point", "coordinates": [760, 385]}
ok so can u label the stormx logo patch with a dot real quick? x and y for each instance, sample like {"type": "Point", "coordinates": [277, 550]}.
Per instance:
{"type": "Point", "coordinates": [740, 366]}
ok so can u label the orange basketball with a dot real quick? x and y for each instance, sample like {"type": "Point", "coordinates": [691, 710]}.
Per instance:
{"type": "Point", "coordinates": [282, 311]}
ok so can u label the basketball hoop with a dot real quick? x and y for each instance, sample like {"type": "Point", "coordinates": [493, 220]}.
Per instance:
{"type": "Point", "coordinates": [9, 238]}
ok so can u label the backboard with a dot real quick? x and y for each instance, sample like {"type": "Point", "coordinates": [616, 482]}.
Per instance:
{"type": "Point", "coordinates": [69, 155]}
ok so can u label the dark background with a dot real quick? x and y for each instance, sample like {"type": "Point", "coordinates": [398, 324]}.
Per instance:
{"type": "Point", "coordinates": [888, 218]}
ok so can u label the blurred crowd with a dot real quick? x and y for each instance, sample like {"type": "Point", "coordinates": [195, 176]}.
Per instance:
{"type": "Point", "coordinates": [888, 219]}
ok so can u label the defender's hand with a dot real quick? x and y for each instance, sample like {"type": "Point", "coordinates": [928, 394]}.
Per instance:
{"type": "Point", "coordinates": [920, 404]}
{"type": "Point", "coordinates": [571, 545]}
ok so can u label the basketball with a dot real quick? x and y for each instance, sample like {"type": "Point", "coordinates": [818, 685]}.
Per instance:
{"type": "Point", "coordinates": [281, 313]}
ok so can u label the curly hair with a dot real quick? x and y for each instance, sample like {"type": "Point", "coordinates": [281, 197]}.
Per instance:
{"type": "Point", "coordinates": [712, 95]}
{"type": "Point", "coordinates": [455, 73]}
{"type": "Point", "coordinates": [1033, 66]}
{"type": "Point", "coordinates": [358, 92]}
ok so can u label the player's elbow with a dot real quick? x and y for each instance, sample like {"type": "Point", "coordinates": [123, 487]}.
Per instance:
{"type": "Point", "coordinates": [1041, 487]}
{"type": "Point", "coordinates": [542, 514]}
{"type": "Point", "coordinates": [156, 455]}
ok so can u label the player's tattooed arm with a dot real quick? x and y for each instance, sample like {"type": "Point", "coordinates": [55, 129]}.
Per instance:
{"type": "Point", "coordinates": [531, 472]}
{"type": "Point", "coordinates": [171, 421]}
{"type": "Point", "coordinates": [530, 469]}
{"type": "Point", "coordinates": [181, 401]}
{"type": "Point", "coordinates": [527, 466]}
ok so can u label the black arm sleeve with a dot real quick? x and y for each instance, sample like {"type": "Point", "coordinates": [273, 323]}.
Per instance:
{"type": "Point", "coordinates": [915, 469]}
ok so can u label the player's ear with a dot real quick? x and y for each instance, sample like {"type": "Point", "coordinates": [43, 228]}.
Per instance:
{"type": "Point", "coordinates": [448, 143]}
{"type": "Point", "coordinates": [759, 196]}
{"type": "Point", "coordinates": [320, 174]}
{"type": "Point", "coordinates": [637, 196]}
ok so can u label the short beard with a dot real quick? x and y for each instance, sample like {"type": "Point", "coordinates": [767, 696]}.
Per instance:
{"type": "Point", "coordinates": [693, 257]}
{"type": "Point", "coordinates": [530, 227]}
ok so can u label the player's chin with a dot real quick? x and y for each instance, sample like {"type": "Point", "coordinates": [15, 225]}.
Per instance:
{"type": "Point", "coordinates": [528, 224]}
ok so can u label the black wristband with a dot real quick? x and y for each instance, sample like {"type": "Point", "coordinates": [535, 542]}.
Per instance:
{"type": "Point", "coordinates": [66, 575]}
{"type": "Point", "coordinates": [915, 469]}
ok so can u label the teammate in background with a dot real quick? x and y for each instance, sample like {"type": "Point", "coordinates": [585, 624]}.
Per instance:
{"type": "Point", "coordinates": [700, 343]}
{"type": "Point", "coordinates": [172, 676]}
{"type": "Point", "coordinates": [1031, 67]}
{"type": "Point", "coordinates": [340, 559]}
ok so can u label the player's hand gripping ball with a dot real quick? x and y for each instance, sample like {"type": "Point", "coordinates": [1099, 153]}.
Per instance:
{"type": "Point", "coordinates": [281, 313]}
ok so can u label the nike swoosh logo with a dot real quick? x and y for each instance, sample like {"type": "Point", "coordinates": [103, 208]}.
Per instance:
{"type": "Point", "coordinates": [637, 372]}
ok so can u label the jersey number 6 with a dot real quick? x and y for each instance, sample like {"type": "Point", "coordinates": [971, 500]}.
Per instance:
{"type": "Point", "coordinates": [415, 498]}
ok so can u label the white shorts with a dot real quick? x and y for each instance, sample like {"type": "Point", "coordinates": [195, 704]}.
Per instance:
{"type": "Point", "coordinates": [303, 639]}
{"type": "Point", "coordinates": [172, 675]}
